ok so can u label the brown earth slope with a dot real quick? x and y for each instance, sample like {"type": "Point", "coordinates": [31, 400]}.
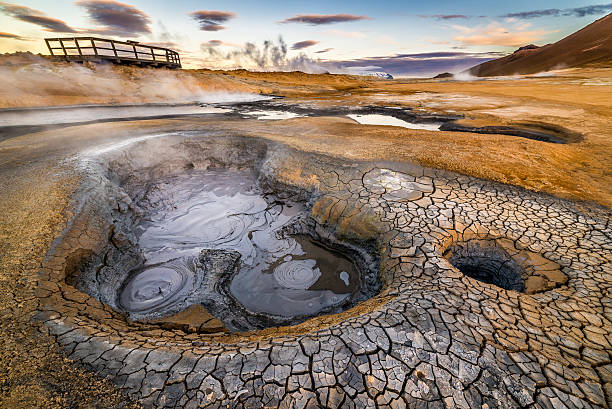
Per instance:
{"type": "Point", "coordinates": [592, 44]}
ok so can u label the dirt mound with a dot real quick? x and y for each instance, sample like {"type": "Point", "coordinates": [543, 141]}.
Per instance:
{"type": "Point", "coordinates": [592, 44]}
{"type": "Point", "coordinates": [444, 75]}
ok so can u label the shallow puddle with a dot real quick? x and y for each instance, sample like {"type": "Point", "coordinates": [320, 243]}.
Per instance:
{"type": "Point", "coordinates": [225, 209]}
{"type": "Point", "coordinates": [272, 115]}
{"type": "Point", "coordinates": [378, 119]}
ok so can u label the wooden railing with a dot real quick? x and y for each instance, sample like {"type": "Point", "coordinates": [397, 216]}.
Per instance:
{"type": "Point", "coordinates": [92, 48]}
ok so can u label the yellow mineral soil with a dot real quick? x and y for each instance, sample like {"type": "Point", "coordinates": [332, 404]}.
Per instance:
{"type": "Point", "coordinates": [577, 100]}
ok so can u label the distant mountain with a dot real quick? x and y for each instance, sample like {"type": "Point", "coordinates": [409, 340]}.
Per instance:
{"type": "Point", "coordinates": [384, 75]}
{"type": "Point", "coordinates": [444, 75]}
{"type": "Point", "coordinates": [592, 44]}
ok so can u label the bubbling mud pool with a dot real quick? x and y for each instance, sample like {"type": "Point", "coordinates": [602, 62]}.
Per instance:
{"type": "Point", "coordinates": [280, 274]}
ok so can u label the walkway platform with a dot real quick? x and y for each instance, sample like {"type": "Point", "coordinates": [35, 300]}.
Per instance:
{"type": "Point", "coordinates": [81, 49]}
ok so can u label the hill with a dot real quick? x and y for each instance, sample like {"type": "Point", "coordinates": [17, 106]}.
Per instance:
{"type": "Point", "coordinates": [592, 44]}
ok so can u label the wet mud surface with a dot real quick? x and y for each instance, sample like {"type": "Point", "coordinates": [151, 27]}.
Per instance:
{"type": "Point", "coordinates": [16, 122]}
{"type": "Point", "coordinates": [21, 121]}
{"type": "Point", "coordinates": [288, 277]}
{"type": "Point", "coordinates": [537, 132]}
{"type": "Point", "coordinates": [409, 118]}
{"type": "Point", "coordinates": [442, 332]}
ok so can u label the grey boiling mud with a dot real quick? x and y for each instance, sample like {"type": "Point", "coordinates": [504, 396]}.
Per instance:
{"type": "Point", "coordinates": [279, 274]}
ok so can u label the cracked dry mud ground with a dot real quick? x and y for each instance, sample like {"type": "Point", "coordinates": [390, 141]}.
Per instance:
{"type": "Point", "coordinates": [433, 337]}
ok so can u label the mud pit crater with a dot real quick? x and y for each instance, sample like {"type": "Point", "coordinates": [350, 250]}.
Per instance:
{"type": "Point", "coordinates": [427, 310]}
{"type": "Point", "coordinates": [210, 230]}
{"type": "Point", "coordinates": [497, 261]}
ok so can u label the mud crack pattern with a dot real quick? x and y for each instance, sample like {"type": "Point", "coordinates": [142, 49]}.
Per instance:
{"type": "Point", "coordinates": [433, 338]}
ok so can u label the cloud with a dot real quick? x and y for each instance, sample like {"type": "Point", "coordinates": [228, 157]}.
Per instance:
{"type": "Point", "coordinates": [589, 10]}
{"type": "Point", "coordinates": [304, 44]}
{"type": "Point", "coordinates": [495, 34]}
{"type": "Point", "coordinates": [324, 51]}
{"type": "Point", "coordinates": [51, 24]}
{"type": "Point", "coordinates": [444, 54]}
{"type": "Point", "coordinates": [213, 15]}
{"type": "Point", "coordinates": [210, 20]}
{"type": "Point", "coordinates": [418, 65]}
{"type": "Point", "coordinates": [37, 17]}
{"type": "Point", "coordinates": [218, 43]}
{"type": "Point", "coordinates": [319, 19]}
{"type": "Point", "coordinates": [445, 16]}
{"type": "Point", "coordinates": [13, 36]}
{"type": "Point", "coordinates": [116, 18]}
{"type": "Point", "coordinates": [345, 34]}
{"type": "Point", "coordinates": [212, 27]}
{"type": "Point", "coordinates": [534, 14]}
{"type": "Point", "coordinates": [575, 12]}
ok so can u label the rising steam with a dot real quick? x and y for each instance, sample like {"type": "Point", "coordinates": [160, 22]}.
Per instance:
{"type": "Point", "coordinates": [30, 80]}
{"type": "Point", "coordinates": [271, 56]}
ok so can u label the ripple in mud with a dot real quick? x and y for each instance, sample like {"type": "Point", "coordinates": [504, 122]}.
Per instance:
{"type": "Point", "coordinates": [304, 280]}
{"type": "Point", "coordinates": [279, 274]}
{"type": "Point", "coordinates": [154, 287]}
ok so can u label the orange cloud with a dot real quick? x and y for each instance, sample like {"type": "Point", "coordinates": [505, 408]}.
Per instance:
{"type": "Point", "coordinates": [12, 36]}
{"type": "Point", "coordinates": [495, 34]}
{"type": "Point", "coordinates": [37, 17]}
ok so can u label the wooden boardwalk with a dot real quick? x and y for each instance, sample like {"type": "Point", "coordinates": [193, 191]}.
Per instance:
{"type": "Point", "coordinates": [95, 49]}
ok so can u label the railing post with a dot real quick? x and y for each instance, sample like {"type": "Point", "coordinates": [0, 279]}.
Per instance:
{"type": "Point", "coordinates": [93, 45]}
{"type": "Point", "coordinates": [61, 40]}
{"type": "Point", "coordinates": [114, 49]}
{"type": "Point", "coordinates": [153, 54]}
{"type": "Point", "coordinates": [135, 52]}
{"type": "Point", "coordinates": [49, 47]}
{"type": "Point", "coordinates": [76, 41]}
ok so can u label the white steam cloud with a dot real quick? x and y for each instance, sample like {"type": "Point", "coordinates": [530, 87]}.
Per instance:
{"type": "Point", "coordinates": [39, 82]}
{"type": "Point", "coordinates": [465, 76]}
{"type": "Point", "coordinates": [271, 56]}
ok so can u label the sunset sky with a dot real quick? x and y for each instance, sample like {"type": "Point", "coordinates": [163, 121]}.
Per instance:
{"type": "Point", "coordinates": [404, 38]}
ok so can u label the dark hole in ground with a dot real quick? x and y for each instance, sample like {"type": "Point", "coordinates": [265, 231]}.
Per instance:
{"type": "Point", "coordinates": [77, 261]}
{"type": "Point", "coordinates": [489, 264]}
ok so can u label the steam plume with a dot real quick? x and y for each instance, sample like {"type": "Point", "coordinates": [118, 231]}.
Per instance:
{"type": "Point", "coordinates": [271, 56]}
